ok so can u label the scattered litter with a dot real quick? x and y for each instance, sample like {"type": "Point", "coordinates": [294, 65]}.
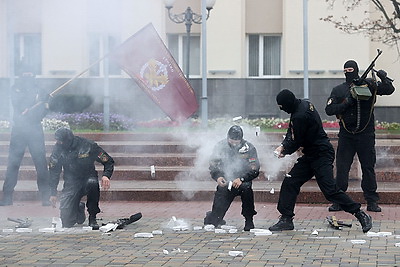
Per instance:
{"type": "Point", "coordinates": [8, 230]}
{"type": "Point", "coordinates": [23, 230]}
{"type": "Point", "coordinates": [143, 235]}
{"type": "Point", "coordinates": [272, 191]}
{"type": "Point", "coordinates": [165, 251]}
{"type": "Point", "coordinates": [258, 232]}
{"type": "Point", "coordinates": [236, 253]}
{"type": "Point", "coordinates": [178, 225]}
{"type": "Point", "coordinates": [232, 231]}
{"type": "Point", "coordinates": [355, 241]}
{"type": "Point", "coordinates": [228, 227]}
{"type": "Point", "coordinates": [157, 232]}
{"type": "Point", "coordinates": [372, 234]}
{"type": "Point", "coordinates": [258, 130]}
{"type": "Point", "coordinates": [219, 231]}
{"type": "Point", "coordinates": [315, 232]}
{"type": "Point", "coordinates": [85, 228]}
{"type": "Point", "coordinates": [153, 171]}
{"type": "Point", "coordinates": [47, 230]}
{"type": "Point", "coordinates": [108, 227]}
{"type": "Point", "coordinates": [197, 228]}
{"type": "Point", "coordinates": [209, 227]}
{"type": "Point", "coordinates": [397, 244]}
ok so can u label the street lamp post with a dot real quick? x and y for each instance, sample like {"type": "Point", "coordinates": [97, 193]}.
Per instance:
{"type": "Point", "coordinates": [188, 17]}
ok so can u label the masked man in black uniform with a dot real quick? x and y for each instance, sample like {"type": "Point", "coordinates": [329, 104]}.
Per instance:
{"type": "Point", "coordinates": [27, 131]}
{"type": "Point", "coordinates": [233, 165]}
{"type": "Point", "coordinates": [306, 131]}
{"type": "Point", "coordinates": [357, 131]}
{"type": "Point", "coordinates": [77, 155]}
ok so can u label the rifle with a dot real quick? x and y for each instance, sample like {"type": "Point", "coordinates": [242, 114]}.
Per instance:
{"type": "Point", "coordinates": [359, 89]}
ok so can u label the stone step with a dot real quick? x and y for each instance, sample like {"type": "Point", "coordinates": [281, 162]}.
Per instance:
{"type": "Point", "coordinates": [171, 173]}
{"type": "Point", "coordinates": [204, 191]}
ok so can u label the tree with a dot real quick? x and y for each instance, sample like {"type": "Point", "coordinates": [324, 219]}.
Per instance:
{"type": "Point", "coordinates": [381, 23]}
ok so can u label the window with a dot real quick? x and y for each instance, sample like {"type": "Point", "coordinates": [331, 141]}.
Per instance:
{"type": "Point", "coordinates": [177, 45]}
{"type": "Point", "coordinates": [264, 55]}
{"type": "Point", "coordinates": [28, 47]}
{"type": "Point", "coordinates": [97, 49]}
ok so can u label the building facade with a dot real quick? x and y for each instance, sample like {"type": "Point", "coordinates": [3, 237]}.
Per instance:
{"type": "Point", "coordinates": [254, 49]}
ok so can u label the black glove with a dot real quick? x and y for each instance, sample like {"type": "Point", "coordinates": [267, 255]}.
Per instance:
{"type": "Point", "coordinates": [358, 82]}
{"type": "Point", "coordinates": [349, 101]}
{"type": "Point", "coordinates": [381, 74]}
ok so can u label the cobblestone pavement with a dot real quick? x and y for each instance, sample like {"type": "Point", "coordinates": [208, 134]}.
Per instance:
{"type": "Point", "coordinates": [184, 242]}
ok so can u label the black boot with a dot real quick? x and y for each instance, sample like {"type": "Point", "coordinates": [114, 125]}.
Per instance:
{"type": "Point", "coordinates": [7, 199]}
{"type": "Point", "coordinates": [364, 219]}
{"type": "Point", "coordinates": [284, 223]}
{"type": "Point", "coordinates": [373, 206]}
{"type": "Point", "coordinates": [335, 207]}
{"type": "Point", "coordinates": [81, 217]}
{"type": "Point", "coordinates": [93, 222]}
{"type": "Point", "coordinates": [249, 224]}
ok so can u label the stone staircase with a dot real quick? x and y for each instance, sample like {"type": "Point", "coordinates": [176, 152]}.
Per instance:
{"type": "Point", "coordinates": [181, 167]}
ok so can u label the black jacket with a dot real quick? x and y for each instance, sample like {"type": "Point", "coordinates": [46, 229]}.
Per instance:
{"type": "Point", "coordinates": [78, 162]}
{"type": "Point", "coordinates": [306, 131]}
{"type": "Point", "coordinates": [24, 95]}
{"type": "Point", "coordinates": [232, 163]}
{"type": "Point", "coordinates": [337, 105]}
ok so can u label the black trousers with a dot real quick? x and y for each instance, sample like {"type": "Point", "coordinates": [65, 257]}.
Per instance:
{"type": "Point", "coordinates": [304, 169]}
{"type": "Point", "coordinates": [71, 196]}
{"type": "Point", "coordinates": [364, 146]}
{"type": "Point", "coordinates": [223, 199]}
{"type": "Point", "coordinates": [33, 138]}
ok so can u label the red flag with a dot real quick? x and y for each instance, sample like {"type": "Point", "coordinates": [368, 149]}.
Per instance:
{"type": "Point", "coordinates": [146, 59]}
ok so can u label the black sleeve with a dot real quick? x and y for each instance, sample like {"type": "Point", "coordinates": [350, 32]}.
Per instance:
{"type": "Point", "coordinates": [105, 159]}
{"type": "Point", "coordinates": [295, 135]}
{"type": "Point", "coordinates": [336, 103]}
{"type": "Point", "coordinates": [55, 169]}
{"type": "Point", "coordinates": [253, 165]}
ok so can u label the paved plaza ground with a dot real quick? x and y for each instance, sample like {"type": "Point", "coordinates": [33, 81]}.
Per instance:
{"type": "Point", "coordinates": [185, 242]}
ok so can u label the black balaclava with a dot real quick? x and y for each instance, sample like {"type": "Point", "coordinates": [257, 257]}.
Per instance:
{"type": "Point", "coordinates": [235, 132]}
{"type": "Point", "coordinates": [287, 101]}
{"type": "Point", "coordinates": [64, 135]}
{"type": "Point", "coordinates": [350, 76]}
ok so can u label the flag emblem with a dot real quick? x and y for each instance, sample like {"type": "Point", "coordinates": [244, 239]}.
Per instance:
{"type": "Point", "coordinates": [155, 74]}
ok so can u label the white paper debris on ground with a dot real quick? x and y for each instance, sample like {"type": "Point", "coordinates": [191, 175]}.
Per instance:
{"type": "Point", "coordinates": [23, 230]}
{"type": "Point", "coordinates": [197, 228]}
{"type": "Point", "coordinates": [357, 241]}
{"type": "Point", "coordinates": [272, 191]}
{"type": "Point", "coordinates": [209, 227]}
{"type": "Point", "coordinates": [220, 231]}
{"type": "Point", "coordinates": [56, 223]}
{"type": "Point", "coordinates": [235, 253]}
{"type": "Point", "coordinates": [47, 230]}
{"type": "Point", "coordinates": [157, 232]}
{"type": "Point", "coordinates": [143, 235]}
{"type": "Point", "coordinates": [397, 244]}
{"type": "Point", "coordinates": [165, 251]}
{"type": "Point", "coordinates": [85, 228]}
{"type": "Point", "coordinates": [258, 231]}
{"type": "Point", "coordinates": [152, 171]}
{"type": "Point", "coordinates": [178, 224]}
{"type": "Point", "coordinates": [228, 227]}
{"type": "Point", "coordinates": [232, 231]}
{"type": "Point", "coordinates": [108, 227]}
{"type": "Point", "coordinates": [315, 232]}
{"type": "Point", "coordinates": [380, 234]}
{"type": "Point", "coordinates": [8, 230]}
